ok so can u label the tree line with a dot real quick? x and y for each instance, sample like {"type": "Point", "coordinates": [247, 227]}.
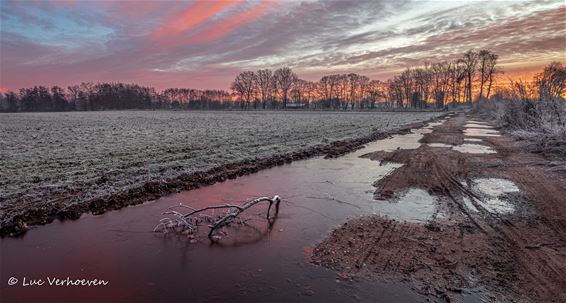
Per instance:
{"type": "Point", "coordinates": [110, 96]}
{"type": "Point", "coordinates": [282, 88]}
{"type": "Point", "coordinates": [465, 80]}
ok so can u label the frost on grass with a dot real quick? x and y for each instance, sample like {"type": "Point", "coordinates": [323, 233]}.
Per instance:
{"type": "Point", "coordinates": [96, 154]}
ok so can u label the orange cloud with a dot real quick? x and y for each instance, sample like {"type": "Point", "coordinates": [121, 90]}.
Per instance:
{"type": "Point", "coordinates": [3, 90]}
{"type": "Point", "coordinates": [194, 15]}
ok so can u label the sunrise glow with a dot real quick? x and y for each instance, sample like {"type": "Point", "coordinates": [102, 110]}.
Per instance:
{"type": "Point", "coordinates": [203, 44]}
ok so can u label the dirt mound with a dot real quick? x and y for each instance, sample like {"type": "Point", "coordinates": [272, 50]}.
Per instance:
{"type": "Point", "coordinates": [441, 261]}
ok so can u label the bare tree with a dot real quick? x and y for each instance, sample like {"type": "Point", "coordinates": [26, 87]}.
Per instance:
{"type": "Point", "coordinates": [265, 85]}
{"type": "Point", "coordinates": [470, 63]}
{"type": "Point", "coordinates": [327, 87]}
{"type": "Point", "coordinates": [406, 81]}
{"type": "Point", "coordinates": [441, 81]}
{"type": "Point", "coordinates": [457, 77]}
{"type": "Point", "coordinates": [285, 78]}
{"type": "Point", "coordinates": [300, 92]}
{"type": "Point", "coordinates": [364, 85]}
{"type": "Point", "coordinates": [552, 81]}
{"type": "Point", "coordinates": [487, 70]}
{"type": "Point", "coordinates": [342, 90]}
{"type": "Point", "coordinates": [245, 86]}
{"type": "Point", "coordinates": [354, 88]}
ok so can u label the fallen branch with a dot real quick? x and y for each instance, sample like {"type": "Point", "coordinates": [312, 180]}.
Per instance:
{"type": "Point", "coordinates": [188, 223]}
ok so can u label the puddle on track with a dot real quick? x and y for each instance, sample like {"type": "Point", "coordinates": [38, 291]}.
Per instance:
{"type": "Point", "coordinates": [473, 140]}
{"type": "Point", "coordinates": [267, 265]}
{"type": "Point", "coordinates": [476, 125]}
{"type": "Point", "coordinates": [492, 192]}
{"type": "Point", "coordinates": [419, 206]}
{"type": "Point", "coordinates": [495, 187]}
{"type": "Point", "coordinates": [407, 141]}
{"type": "Point", "coordinates": [481, 132]}
{"type": "Point", "coordinates": [474, 149]}
{"type": "Point", "coordinates": [440, 145]}
{"type": "Point", "coordinates": [466, 148]}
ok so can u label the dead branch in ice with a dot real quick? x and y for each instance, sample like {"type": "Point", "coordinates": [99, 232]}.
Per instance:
{"type": "Point", "coordinates": [188, 223]}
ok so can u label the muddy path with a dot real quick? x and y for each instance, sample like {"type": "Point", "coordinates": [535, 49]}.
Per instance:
{"type": "Point", "coordinates": [500, 231]}
{"type": "Point", "coordinates": [16, 217]}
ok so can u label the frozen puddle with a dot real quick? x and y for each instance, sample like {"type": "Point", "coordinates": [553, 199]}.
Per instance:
{"type": "Point", "coordinates": [476, 122]}
{"type": "Point", "coordinates": [406, 141]}
{"type": "Point", "coordinates": [475, 125]}
{"type": "Point", "coordinates": [481, 132]}
{"type": "Point", "coordinates": [414, 205]}
{"type": "Point", "coordinates": [473, 140]}
{"type": "Point", "coordinates": [474, 149]}
{"type": "Point", "coordinates": [467, 148]}
{"type": "Point", "coordinates": [494, 186]}
{"type": "Point", "coordinates": [442, 145]}
{"type": "Point", "coordinates": [493, 192]}
{"type": "Point", "coordinates": [435, 124]}
{"type": "Point", "coordinates": [475, 129]}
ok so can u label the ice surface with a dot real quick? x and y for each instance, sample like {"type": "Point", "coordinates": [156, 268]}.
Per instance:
{"type": "Point", "coordinates": [493, 193]}
{"type": "Point", "coordinates": [495, 186]}
{"type": "Point", "coordinates": [475, 125]}
{"type": "Point", "coordinates": [440, 145]}
{"type": "Point", "coordinates": [473, 140]}
{"type": "Point", "coordinates": [480, 132]}
{"type": "Point", "coordinates": [474, 149]}
{"type": "Point", "coordinates": [414, 205]}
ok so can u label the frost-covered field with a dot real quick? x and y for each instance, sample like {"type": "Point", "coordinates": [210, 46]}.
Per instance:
{"type": "Point", "coordinates": [98, 153]}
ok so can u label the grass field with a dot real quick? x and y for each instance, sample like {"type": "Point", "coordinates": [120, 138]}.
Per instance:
{"type": "Point", "coordinates": [99, 153]}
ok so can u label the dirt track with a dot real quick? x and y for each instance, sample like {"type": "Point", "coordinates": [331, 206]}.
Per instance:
{"type": "Point", "coordinates": [519, 256]}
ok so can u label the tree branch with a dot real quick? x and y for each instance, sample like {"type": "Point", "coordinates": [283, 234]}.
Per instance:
{"type": "Point", "coordinates": [188, 223]}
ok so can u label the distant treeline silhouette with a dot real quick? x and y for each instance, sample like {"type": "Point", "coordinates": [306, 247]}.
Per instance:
{"type": "Point", "coordinates": [465, 80]}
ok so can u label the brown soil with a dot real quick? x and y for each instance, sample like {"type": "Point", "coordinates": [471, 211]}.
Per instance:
{"type": "Point", "coordinates": [521, 256]}
{"type": "Point", "coordinates": [18, 214]}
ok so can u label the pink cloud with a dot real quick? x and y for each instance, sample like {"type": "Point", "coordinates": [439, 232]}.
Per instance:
{"type": "Point", "coordinates": [196, 14]}
{"type": "Point", "coordinates": [232, 23]}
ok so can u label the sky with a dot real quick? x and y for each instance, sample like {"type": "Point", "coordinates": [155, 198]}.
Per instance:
{"type": "Point", "coordinates": [204, 44]}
